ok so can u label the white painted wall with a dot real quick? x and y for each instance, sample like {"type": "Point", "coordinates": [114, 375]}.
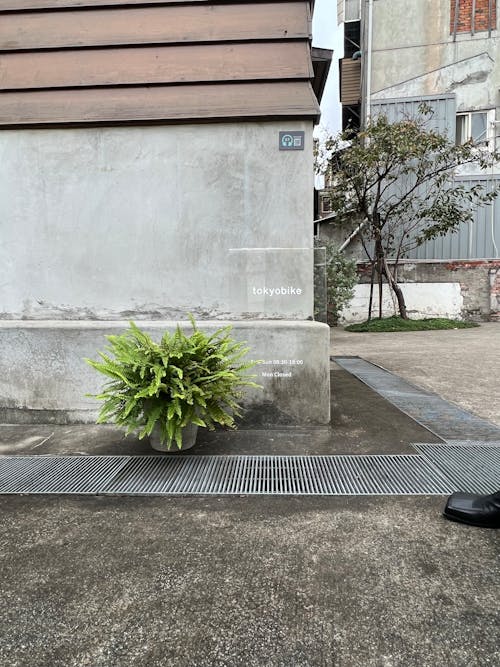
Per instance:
{"type": "Point", "coordinates": [423, 300]}
{"type": "Point", "coordinates": [138, 222]}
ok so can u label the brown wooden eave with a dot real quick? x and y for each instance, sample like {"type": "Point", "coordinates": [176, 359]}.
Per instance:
{"type": "Point", "coordinates": [37, 5]}
{"type": "Point", "coordinates": [321, 59]}
{"type": "Point", "coordinates": [100, 61]}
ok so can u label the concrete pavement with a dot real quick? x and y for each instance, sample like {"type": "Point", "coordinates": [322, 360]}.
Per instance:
{"type": "Point", "coordinates": [245, 582]}
{"type": "Point", "coordinates": [461, 365]}
{"type": "Point", "coordinates": [260, 581]}
{"type": "Point", "coordinates": [362, 423]}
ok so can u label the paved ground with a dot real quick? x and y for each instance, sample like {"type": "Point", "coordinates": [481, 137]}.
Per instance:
{"type": "Point", "coordinates": [362, 423]}
{"type": "Point", "coordinates": [250, 582]}
{"type": "Point", "coordinates": [462, 365]}
{"type": "Point", "coordinates": [261, 581]}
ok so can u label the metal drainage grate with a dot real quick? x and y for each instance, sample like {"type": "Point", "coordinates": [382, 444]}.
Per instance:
{"type": "Point", "coordinates": [473, 443]}
{"type": "Point", "coordinates": [378, 378]}
{"type": "Point", "coordinates": [446, 420]}
{"type": "Point", "coordinates": [470, 466]}
{"type": "Point", "coordinates": [225, 475]}
{"type": "Point", "coordinates": [58, 474]}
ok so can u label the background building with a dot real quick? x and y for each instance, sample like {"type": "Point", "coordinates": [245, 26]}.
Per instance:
{"type": "Point", "coordinates": [399, 53]}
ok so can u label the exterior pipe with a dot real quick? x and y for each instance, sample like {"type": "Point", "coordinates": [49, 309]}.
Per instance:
{"type": "Point", "coordinates": [368, 60]}
{"type": "Point", "coordinates": [492, 222]}
{"type": "Point", "coordinates": [351, 237]}
{"type": "Point", "coordinates": [455, 20]}
{"type": "Point", "coordinates": [492, 218]}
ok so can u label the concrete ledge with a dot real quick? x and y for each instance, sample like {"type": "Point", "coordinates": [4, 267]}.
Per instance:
{"type": "Point", "coordinates": [44, 379]}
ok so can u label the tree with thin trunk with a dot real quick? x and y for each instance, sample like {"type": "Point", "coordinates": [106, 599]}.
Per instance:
{"type": "Point", "coordinates": [400, 180]}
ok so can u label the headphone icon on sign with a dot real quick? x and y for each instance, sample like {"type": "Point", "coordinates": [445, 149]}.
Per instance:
{"type": "Point", "coordinates": [287, 140]}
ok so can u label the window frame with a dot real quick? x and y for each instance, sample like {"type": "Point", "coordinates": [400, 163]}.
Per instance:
{"type": "Point", "coordinates": [326, 204]}
{"type": "Point", "coordinates": [488, 140]}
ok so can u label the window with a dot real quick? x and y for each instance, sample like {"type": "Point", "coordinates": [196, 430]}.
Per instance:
{"type": "Point", "coordinates": [472, 126]}
{"type": "Point", "coordinates": [352, 39]}
{"type": "Point", "coordinates": [326, 205]}
{"type": "Point", "coordinates": [351, 118]}
{"type": "Point", "coordinates": [472, 16]}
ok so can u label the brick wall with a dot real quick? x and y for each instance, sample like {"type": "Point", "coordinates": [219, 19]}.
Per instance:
{"type": "Point", "coordinates": [481, 23]}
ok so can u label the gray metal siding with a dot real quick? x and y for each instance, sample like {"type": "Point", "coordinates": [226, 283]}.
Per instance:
{"type": "Point", "coordinates": [479, 240]}
{"type": "Point", "coordinates": [443, 107]}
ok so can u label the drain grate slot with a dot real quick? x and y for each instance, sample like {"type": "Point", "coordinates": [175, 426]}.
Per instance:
{"type": "Point", "coordinates": [16, 472]}
{"type": "Point", "coordinates": [471, 466]}
{"type": "Point", "coordinates": [58, 474]}
{"type": "Point", "coordinates": [473, 443]}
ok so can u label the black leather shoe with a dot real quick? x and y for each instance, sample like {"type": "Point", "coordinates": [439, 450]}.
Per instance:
{"type": "Point", "coordinates": [482, 511]}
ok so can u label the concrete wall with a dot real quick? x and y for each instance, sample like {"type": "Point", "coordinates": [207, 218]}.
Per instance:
{"type": "Point", "coordinates": [478, 283]}
{"type": "Point", "coordinates": [467, 290]}
{"type": "Point", "coordinates": [414, 54]}
{"type": "Point", "coordinates": [44, 379]}
{"type": "Point", "coordinates": [338, 234]}
{"type": "Point", "coordinates": [422, 299]}
{"type": "Point", "coordinates": [102, 225]}
{"type": "Point", "coordinates": [141, 222]}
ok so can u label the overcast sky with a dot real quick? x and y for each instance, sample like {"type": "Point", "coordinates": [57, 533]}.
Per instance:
{"type": "Point", "coordinates": [326, 35]}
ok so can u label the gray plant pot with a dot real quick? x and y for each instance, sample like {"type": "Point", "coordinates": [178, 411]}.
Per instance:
{"type": "Point", "coordinates": [188, 439]}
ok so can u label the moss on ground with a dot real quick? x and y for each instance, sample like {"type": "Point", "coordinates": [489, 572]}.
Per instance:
{"type": "Point", "coordinates": [388, 324]}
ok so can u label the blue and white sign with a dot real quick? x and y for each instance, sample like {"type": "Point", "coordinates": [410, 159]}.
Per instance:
{"type": "Point", "coordinates": [291, 140]}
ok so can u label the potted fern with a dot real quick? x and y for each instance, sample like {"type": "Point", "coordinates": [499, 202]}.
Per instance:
{"type": "Point", "coordinates": [166, 390]}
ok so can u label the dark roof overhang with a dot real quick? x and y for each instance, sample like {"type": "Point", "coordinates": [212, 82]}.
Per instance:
{"type": "Point", "coordinates": [321, 59]}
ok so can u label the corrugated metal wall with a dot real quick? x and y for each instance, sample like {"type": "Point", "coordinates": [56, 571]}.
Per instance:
{"type": "Point", "coordinates": [480, 240]}
{"type": "Point", "coordinates": [443, 108]}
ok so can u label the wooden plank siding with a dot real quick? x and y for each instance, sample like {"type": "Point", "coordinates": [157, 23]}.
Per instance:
{"type": "Point", "coordinates": [171, 63]}
{"type": "Point", "coordinates": [179, 64]}
{"type": "Point", "coordinates": [90, 105]}
{"type": "Point", "coordinates": [153, 25]}
{"type": "Point", "coordinates": [22, 5]}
